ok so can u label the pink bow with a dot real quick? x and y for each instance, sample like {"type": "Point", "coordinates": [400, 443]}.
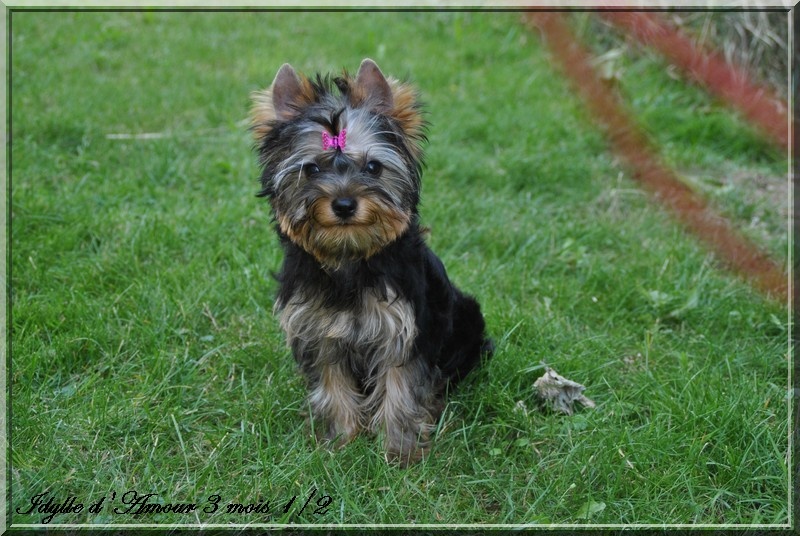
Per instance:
{"type": "Point", "coordinates": [335, 142]}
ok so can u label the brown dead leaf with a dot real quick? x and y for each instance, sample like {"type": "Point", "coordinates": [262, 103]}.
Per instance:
{"type": "Point", "coordinates": [560, 393]}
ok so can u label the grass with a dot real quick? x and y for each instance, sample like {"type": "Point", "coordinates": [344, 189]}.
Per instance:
{"type": "Point", "coordinates": [145, 357]}
{"type": "Point", "coordinates": [743, 176]}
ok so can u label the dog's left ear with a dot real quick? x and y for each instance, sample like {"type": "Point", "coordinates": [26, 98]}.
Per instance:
{"type": "Point", "coordinates": [373, 87]}
{"type": "Point", "coordinates": [393, 98]}
{"type": "Point", "coordinates": [287, 93]}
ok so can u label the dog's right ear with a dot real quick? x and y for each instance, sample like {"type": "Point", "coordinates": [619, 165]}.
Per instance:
{"type": "Point", "coordinates": [282, 101]}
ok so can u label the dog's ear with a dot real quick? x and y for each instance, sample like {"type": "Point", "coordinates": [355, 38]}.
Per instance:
{"type": "Point", "coordinates": [373, 87]}
{"type": "Point", "coordinates": [393, 98]}
{"type": "Point", "coordinates": [287, 93]}
{"type": "Point", "coordinates": [282, 101]}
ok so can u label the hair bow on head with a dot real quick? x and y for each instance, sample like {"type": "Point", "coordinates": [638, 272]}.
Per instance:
{"type": "Point", "coordinates": [335, 142]}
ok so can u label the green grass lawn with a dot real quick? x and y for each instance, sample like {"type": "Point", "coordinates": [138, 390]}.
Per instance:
{"type": "Point", "coordinates": [146, 359]}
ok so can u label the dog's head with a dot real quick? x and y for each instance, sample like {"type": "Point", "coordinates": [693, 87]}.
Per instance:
{"type": "Point", "coordinates": [341, 160]}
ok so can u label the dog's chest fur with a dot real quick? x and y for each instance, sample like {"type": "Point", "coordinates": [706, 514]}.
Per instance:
{"type": "Point", "coordinates": [374, 329]}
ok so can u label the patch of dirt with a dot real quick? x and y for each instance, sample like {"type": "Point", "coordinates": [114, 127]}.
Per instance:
{"type": "Point", "coordinates": [758, 202]}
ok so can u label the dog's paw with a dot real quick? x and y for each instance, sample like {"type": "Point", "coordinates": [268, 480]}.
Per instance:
{"type": "Point", "coordinates": [333, 436]}
{"type": "Point", "coordinates": [406, 457]}
{"type": "Point", "coordinates": [407, 448]}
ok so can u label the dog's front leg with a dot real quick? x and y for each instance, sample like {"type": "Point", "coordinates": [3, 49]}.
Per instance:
{"type": "Point", "coordinates": [335, 404]}
{"type": "Point", "coordinates": [407, 408]}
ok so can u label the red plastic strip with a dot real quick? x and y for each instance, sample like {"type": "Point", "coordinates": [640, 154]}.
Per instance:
{"type": "Point", "coordinates": [759, 104]}
{"type": "Point", "coordinates": [632, 146]}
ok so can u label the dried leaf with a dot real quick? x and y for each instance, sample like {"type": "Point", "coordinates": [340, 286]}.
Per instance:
{"type": "Point", "coordinates": [560, 393]}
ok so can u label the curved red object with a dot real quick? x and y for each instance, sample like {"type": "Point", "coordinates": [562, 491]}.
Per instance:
{"type": "Point", "coordinates": [633, 147]}
{"type": "Point", "coordinates": [759, 104]}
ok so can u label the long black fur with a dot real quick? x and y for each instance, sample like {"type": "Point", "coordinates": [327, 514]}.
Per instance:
{"type": "Point", "coordinates": [355, 381]}
{"type": "Point", "coordinates": [450, 326]}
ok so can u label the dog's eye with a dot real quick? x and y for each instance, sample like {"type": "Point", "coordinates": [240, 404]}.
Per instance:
{"type": "Point", "coordinates": [373, 168]}
{"type": "Point", "coordinates": [310, 169]}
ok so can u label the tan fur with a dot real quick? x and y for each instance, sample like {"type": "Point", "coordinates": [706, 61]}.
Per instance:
{"type": "Point", "coordinates": [262, 111]}
{"type": "Point", "coordinates": [332, 242]}
{"type": "Point", "coordinates": [381, 333]}
{"type": "Point", "coordinates": [408, 424]}
{"type": "Point", "coordinates": [405, 111]}
{"type": "Point", "coordinates": [337, 400]}
{"type": "Point", "coordinates": [383, 329]}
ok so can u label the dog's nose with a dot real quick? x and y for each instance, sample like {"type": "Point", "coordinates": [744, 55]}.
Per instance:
{"type": "Point", "coordinates": [344, 207]}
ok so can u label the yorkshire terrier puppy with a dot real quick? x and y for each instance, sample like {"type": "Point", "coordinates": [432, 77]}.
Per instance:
{"type": "Point", "coordinates": [376, 326]}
